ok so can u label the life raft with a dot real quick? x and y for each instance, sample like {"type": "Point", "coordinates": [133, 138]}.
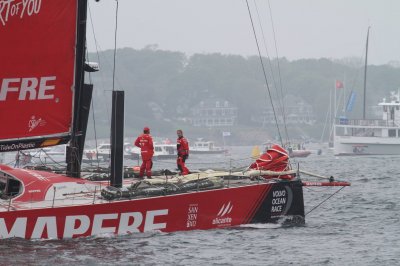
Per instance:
{"type": "Point", "coordinates": [274, 159]}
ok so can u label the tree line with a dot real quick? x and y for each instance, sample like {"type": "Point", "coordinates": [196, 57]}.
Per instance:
{"type": "Point", "coordinates": [161, 87]}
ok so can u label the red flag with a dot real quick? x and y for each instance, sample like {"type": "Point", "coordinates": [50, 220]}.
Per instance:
{"type": "Point", "coordinates": [339, 84]}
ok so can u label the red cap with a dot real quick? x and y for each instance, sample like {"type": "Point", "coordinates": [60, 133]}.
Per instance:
{"type": "Point", "coordinates": [146, 129]}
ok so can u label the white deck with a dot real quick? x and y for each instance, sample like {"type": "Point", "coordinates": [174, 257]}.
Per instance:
{"type": "Point", "coordinates": [91, 197]}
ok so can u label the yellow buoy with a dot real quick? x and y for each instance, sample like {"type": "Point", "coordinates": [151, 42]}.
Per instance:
{"type": "Point", "coordinates": [255, 153]}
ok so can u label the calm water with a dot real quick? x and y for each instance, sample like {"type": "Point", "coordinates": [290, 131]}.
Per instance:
{"type": "Point", "coordinates": [360, 225]}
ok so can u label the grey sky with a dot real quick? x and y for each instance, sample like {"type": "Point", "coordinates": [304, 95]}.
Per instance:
{"type": "Point", "coordinates": [304, 28]}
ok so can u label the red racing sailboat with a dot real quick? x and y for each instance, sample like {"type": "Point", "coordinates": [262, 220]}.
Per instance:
{"type": "Point", "coordinates": [44, 101]}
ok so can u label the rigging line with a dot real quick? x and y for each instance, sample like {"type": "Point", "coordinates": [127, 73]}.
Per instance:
{"type": "Point", "coordinates": [106, 62]}
{"type": "Point", "coordinates": [325, 200]}
{"type": "Point", "coordinates": [279, 72]}
{"type": "Point", "coordinates": [265, 45]}
{"type": "Point", "coordinates": [264, 72]}
{"type": "Point", "coordinates": [355, 79]}
{"type": "Point", "coordinates": [324, 128]}
{"type": "Point", "coordinates": [266, 48]}
{"type": "Point", "coordinates": [365, 74]}
{"type": "Point", "coordinates": [280, 97]}
{"type": "Point", "coordinates": [95, 134]}
{"type": "Point", "coordinates": [328, 116]}
{"type": "Point", "coordinates": [98, 60]}
{"type": "Point", "coordinates": [94, 35]}
{"type": "Point", "coordinates": [90, 77]}
{"type": "Point", "coordinates": [94, 120]}
{"type": "Point", "coordinates": [115, 41]}
{"type": "Point", "coordinates": [113, 103]}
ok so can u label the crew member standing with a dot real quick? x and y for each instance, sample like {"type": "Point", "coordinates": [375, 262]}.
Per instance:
{"type": "Point", "coordinates": [182, 147]}
{"type": "Point", "coordinates": [145, 143]}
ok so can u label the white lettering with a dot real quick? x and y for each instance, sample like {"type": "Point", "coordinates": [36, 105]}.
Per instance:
{"type": "Point", "coordinates": [14, 10]}
{"type": "Point", "coordinates": [279, 193]}
{"type": "Point", "coordinates": [37, 89]}
{"type": "Point", "coordinates": [3, 6]}
{"type": "Point", "coordinates": [193, 209]}
{"type": "Point", "coordinates": [8, 8]}
{"type": "Point", "coordinates": [36, 175]}
{"type": "Point", "coordinates": [190, 224]}
{"type": "Point", "coordinates": [38, 3]}
{"type": "Point", "coordinates": [124, 226]}
{"type": "Point", "coordinates": [41, 224]}
{"type": "Point", "coordinates": [28, 85]}
{"type": "Point", "coordinates": [192, 216]}
{"type": "Point", "coordinates": [278, 201]}
{"type": "Point", "coordinates": [17, 146]}
{"type": "Point", "coordinates": [226, 220]}
{"type": "Point", "coordinates": [18, 229]}
{"type": "Point", "coordinates": [70, 230]}
{"type": "Point", "coordinates": [98, 223]}
{"type": "Point", "coordinates": [76, 225]}
{"type": "Point", "coordinates": [149, 222]}
{"type": "Point", "coordinates": [44, 87]}
{"type": "Point", "coordinates": [31, 6]}
{"type": "Point", "coordinates": [5, 87]}
{"type": "Point", "coordinates": [276, 208]}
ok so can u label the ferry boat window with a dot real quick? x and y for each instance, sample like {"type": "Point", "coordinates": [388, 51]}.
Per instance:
{"type": "Point", "coordinates": [170, 150]}
{"type": "Point", "coordinates": [392, 133]}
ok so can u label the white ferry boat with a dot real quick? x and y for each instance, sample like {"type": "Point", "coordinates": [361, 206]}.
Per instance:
{"type": "Point", "coordinates": [370, 136]}
{"type": "Point", "coordinates": [205, 147]}
{"type": "Point", "coordinates": [162, 151]}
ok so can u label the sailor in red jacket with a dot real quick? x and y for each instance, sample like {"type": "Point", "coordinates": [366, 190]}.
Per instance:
{"type": "Point", "coordinates": [182, 147]}
{"type": "Point", "coordinates": [145, 143]}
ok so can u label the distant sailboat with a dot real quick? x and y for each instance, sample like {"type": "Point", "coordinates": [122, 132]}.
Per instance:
{"type": "Point", "coordinates": [366, 136]}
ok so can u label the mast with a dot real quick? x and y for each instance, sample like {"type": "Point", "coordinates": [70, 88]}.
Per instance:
{"type": "Point", "coordinates": [82, 97]}
{"type": "Point", "coordinates": [365, 73]}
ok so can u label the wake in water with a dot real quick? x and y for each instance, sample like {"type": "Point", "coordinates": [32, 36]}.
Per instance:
{"type": "Point", "coordinates": [261, 226]}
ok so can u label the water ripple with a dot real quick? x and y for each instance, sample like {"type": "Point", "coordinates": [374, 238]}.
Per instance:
{"type": "Point", "coordinates": [358, 226]}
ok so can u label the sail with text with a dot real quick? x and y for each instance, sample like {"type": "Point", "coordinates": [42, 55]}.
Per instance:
{"type": "Point", "coordinates": [37, 72]}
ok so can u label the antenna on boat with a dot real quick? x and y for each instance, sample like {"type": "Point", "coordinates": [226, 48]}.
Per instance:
{"type": "Point", "coordinates": [365, 73]}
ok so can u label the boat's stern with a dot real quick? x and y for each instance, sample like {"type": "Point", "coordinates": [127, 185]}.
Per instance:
{"type": "Point", "coordinates": [284, 203]}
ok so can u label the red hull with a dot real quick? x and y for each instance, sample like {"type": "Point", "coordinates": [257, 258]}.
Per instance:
{"type": "Point", "coordinates": [255, 203]}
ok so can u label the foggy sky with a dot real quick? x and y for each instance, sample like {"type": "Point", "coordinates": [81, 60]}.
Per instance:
{"type": "Point", "coordinates": [304, 28]}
